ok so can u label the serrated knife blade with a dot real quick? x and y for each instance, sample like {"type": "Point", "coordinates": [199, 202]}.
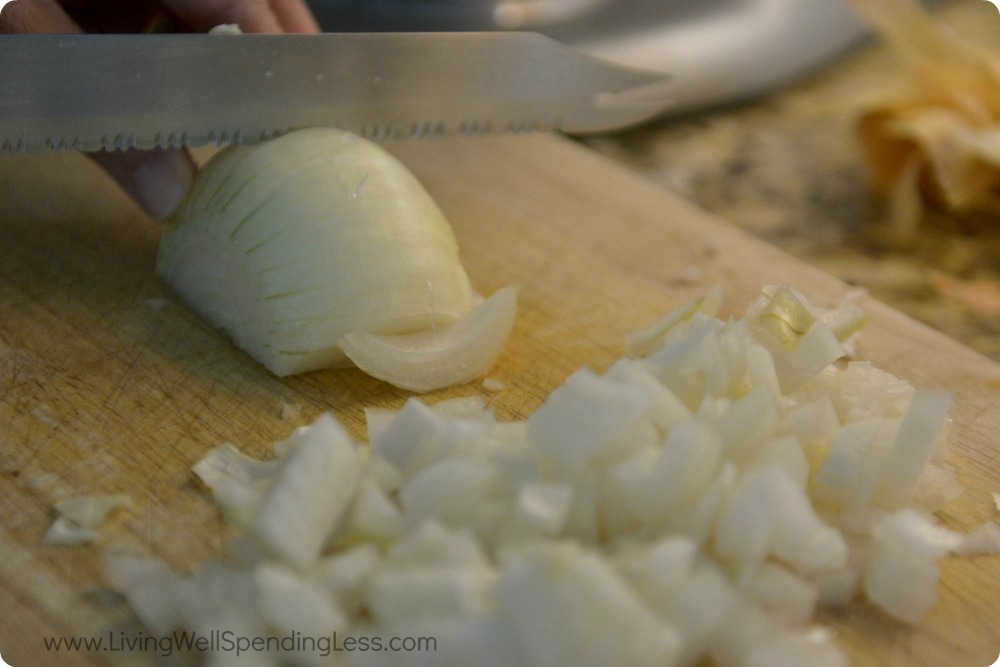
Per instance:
{"type": "Point", "coordinates": [108, 92]}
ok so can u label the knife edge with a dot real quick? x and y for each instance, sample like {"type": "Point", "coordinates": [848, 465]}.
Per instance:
{"type": "Point", "coordinates": [113, 92]}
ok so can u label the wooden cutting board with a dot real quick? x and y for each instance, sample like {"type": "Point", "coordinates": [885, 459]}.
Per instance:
{"type": "Point", "coordinates": [109, 385]}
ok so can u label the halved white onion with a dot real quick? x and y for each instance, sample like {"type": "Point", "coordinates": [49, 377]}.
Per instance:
{"type": "Point", "coordinates": [290, 244]}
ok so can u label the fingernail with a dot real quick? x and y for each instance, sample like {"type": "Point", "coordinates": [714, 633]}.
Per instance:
{"type": "Point", "coordinates": [161, 181]}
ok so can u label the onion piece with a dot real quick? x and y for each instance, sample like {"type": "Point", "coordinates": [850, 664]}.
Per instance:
{"type": "Point", "coordinates": [783, 320]}
{"type": "Point", "coordinates": [452, 353]}
{"type": "Point", "coordinates": [151, 587]}
{"type": "Point", "coordinates": [290, 603]}
{"type": "Point", "coordinates": [493, 385]}
{"type": "Point", "coordinates": [90, 511]}
{"type": "Point", "coordinates": [913, 447]}
{"type": "Point", "coordinates": [450, 491]}
{"type": "Point", "coordinates": [237, 481]}
{"type": "Point", "coordinates": [78, 518]}
{"type": "Point", "coordinates": [310, 492]}
{"type": "Point", "coordinates": [783, 594]}
{"type": "Point", "coordinates": [590, 419]}
{"type": "Point", "coordinates": [556, 596]}
{"type": "Point", "coordinates": [345, 576]}
{"type": "Point", "coordinates": [983, 541]}
{"type": "Point", "coordinates": [289, 244]}
{"type": "Point", "coordinates": [698, 607]}
{"type": "Point", "coordinates": [374, 516]}
{"type": "Point", "coordinates": [65, 533]}
{"type": "Point", "coordinates": [643, 343]}
{"type": "Point", "coordinates": [419, 437]}
{"type": "Point", "coordinates": [901, 574]}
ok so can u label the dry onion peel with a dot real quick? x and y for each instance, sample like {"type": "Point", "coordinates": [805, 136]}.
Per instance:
{"type": "Point", "coordinates": [683, 505]}
{"type": "Point", "coordinates": [934, 140]}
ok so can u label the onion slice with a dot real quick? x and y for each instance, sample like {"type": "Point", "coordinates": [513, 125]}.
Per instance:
{"type": "Point", "coordinates": [450, 354]}
{"type": "Point", "coordinates": [79, 518]}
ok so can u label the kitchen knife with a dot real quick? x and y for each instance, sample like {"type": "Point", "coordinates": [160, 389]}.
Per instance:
{"type": "Point", "coordinates": [93, 92]}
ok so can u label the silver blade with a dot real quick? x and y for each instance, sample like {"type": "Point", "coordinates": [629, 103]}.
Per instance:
{"type": "Point", "coordinates": [92, 92]}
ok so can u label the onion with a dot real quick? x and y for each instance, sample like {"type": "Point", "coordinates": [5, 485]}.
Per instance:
{"type": "Point", "coordinates": [79, 517]}
{"type": "Point", "coordinates": [699, 503]}
{"type": "Point", "coordinates": [901, 574]}
{"type": "Point", "coordinates": [983, 541]}
{"type": "Point", "coordinates": [913, 447]}
{"type": "Point", "coordinates": [310, 492]}
{"type": "Point", "coordinates": [65, 533]}
{"type": "Point", "coordinates": [493, 385]}
{"type": "Point", "coordinates": [555, 597]}
{"type": "Point", "coordinates": [449, 354]}
{"type": "Point", "coordinates": [345, 576]}
{"type": "Point", "coordinates": [144, 581]}
{"type": "Point", "coordinates": [90, 511]}
{"type": "Point", "coordinates": [289, 603]}
{"type": "Point", "coordinates": [375, 517]}
{"type": "Point", "coordinates": [590, 419]}
{"type": "Point", "coordinates": [291, 244]}
{"type": "Point", "coordinates": [238, 482]}
{"type": "Point", "coordinates": [646, 341]}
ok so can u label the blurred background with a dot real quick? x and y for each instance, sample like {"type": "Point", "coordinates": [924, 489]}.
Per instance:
{"type": "Point", "coordinates": [717, 50]}
{"type": "Point", "coordinates": [764, 130]}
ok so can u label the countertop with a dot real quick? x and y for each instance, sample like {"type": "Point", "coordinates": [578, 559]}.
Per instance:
{"type": "Point", "coordinates": [787, 168]}
{"type": "Point", "coordinates": [112, 386]}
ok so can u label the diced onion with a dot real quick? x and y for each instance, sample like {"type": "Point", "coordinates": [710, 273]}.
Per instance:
{"type": "Point", "coordinates": [311, 490]}
{"type": "Point", "coordinates": [700, 502]}
{"type": "Point", "coordinates": [79, 517]}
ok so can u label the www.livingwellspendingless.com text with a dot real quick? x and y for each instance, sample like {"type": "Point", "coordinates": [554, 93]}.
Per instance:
{"type": "Point", "coordinates": [229, 641]}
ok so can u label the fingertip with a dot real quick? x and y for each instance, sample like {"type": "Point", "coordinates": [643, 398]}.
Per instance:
{"type": "Point", "coordinates": [259, 16]}
{"type": "Point", "coordinates": [37, 16]}
{"type": "Point", "coordinates": [157, 180]}
{"type": "Point", "coordinates": [162, 181]}
{"type": "Point", "coordinates": [295, 16]}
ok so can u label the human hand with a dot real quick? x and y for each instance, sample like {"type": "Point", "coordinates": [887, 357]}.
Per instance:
{"type": "Point", "coordinates": [158, 179]}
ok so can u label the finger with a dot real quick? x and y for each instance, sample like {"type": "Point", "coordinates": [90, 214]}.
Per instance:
{"type": "Point", "coordinates": [36, 16]}
{"type": "Point", "coordinates": [157, 180]}
{"type": "Point", "coordinates": [294, 16]}
{"type": "Point", "coordinates": [249, 15]}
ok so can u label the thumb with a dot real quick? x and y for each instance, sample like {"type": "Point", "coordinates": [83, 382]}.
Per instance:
{"type": "Point", "coordinates": [157, 179]}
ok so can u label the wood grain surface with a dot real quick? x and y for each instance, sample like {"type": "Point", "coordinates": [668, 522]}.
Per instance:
{"type": "Point", "coordinates": [109, 385]}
